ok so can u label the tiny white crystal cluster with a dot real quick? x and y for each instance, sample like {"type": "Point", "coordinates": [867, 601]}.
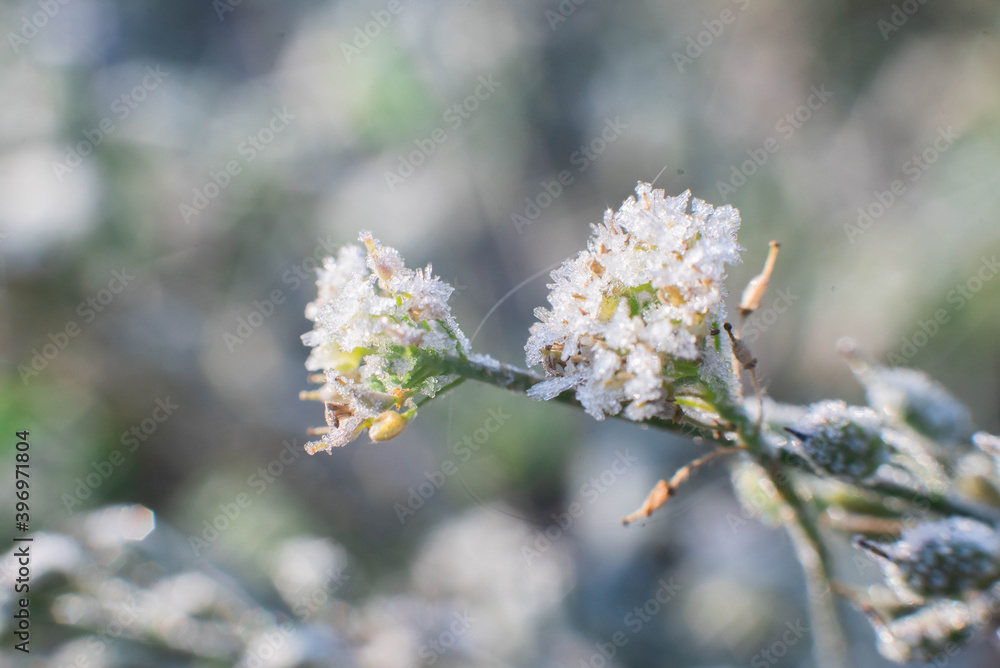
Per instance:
{"type": "Point", "coordinates": [843, 441]}
{"type": "Point", "coordinates": [947, 558]}
{"type": "Point", "coordinates": [375, 321]}
{"type": "Point", "coordinates": [632, 314]}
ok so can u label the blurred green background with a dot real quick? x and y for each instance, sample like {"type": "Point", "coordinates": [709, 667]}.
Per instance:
{"type": "Point", "coordinates": [171, 172]}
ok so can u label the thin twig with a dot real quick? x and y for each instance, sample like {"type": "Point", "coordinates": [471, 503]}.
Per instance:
{"type": "Point", "coordinates": [665, 489]}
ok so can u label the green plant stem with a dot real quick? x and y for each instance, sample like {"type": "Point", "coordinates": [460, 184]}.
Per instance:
{"type": "Point", "coordinates": [935, 503]}
{"type": "Point", "coordinates": [939, 504]}
{"type": "Point", "coordinates": [829, 643]}
{"type": "Point", "coordinates": [519, 380]}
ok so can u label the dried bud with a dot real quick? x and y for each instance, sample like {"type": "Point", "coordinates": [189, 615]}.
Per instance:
{"type": "Point", "coordinates": [389, 424]}
{"type": "Point", "coordinates": [843, 441]}
{"type": "Point", "coordinates": [741, 351]}
{"type": "Point", "coordinates": [757, 286]}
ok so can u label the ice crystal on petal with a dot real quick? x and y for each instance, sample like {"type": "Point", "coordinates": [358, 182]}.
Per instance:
{"type": "Point", "coordinates": [633, 312]}
{"type": "Point", "coordinates": [377, 325]}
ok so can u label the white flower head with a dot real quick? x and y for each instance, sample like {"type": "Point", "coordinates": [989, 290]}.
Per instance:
{"type": "Point", "coordinates": [378, 329]}
{"type": "Point", "coordinates": [632, 314]}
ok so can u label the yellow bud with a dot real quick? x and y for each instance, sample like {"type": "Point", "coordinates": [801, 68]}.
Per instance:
{"type": "Point", "coordinates": [344, 362]}
{"type": "Point", "coordinates": [387, 425]}
{"type": "Point", "coordinates": [609, 304]}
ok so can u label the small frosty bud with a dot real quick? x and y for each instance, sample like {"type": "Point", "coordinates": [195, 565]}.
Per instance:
{"type": "Point", "coordinates": [843, 441]}
{"type": "Point", "coordinates": [988, 443]}
{"type": "Point", "coordinates": [908, 396]}
{"type": "Point", "coordinates": [389, 424]}
{"type": "Point", "coordinates": [927, 633]}
{"type": "Point", "coordinates": [633, 313]}
{"type": "Point", "coordinates": [949, 558]}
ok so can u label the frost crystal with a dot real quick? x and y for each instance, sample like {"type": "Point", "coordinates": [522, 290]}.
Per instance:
{"type": "Point", "coordinates": [948, 558]}
{"type": "Point", "coordinates": [843, 441]}
{"type": "Point", "coordinates": [378, 330]}
{"type": "Point", "coordinates": [632, 314]}
{"type": "Point", "coordinates": [911, 397]}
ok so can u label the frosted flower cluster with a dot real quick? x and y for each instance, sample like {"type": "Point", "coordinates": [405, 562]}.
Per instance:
{"type": "Point", "coordinates": [632, 313]}
{"type": "Point", "coordinates": [842, 441]}
{"type": "Point", "coordinates": [948, 558]}
{"type": "Point", "coordinates": [378, 329]}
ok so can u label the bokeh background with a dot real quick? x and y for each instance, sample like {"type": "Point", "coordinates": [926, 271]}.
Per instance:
{"type": "Point", "coordinates": [171, 171]}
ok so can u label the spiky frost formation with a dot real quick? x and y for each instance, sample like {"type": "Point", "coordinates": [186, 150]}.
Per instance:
{"type": "Point", "coordinates": [377, 324]}
{"type": "Point", "coordinates": [948, 558]}
{"type": "Point", "coordinates": [631, 314]}
{"type": "Point", "coordinates": [842, 441]}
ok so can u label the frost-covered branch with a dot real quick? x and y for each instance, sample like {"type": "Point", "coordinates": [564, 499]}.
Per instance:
{"type": "Point", "coordinates": [634, 331]}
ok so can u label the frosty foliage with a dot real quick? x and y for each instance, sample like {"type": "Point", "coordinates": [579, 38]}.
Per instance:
{"type": "Point", "coordinates": [910, 397]}
{"type": "Point", "coordinates": [842, 441]}
{"type": "Point", "coordinates": [378, 326]}
{"type": "Point", "coordinates": [632, 331]}
{"type": "Point", "coordinates": [948, 558]}
{"type": "Point", "coordinates": [632, 313]}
